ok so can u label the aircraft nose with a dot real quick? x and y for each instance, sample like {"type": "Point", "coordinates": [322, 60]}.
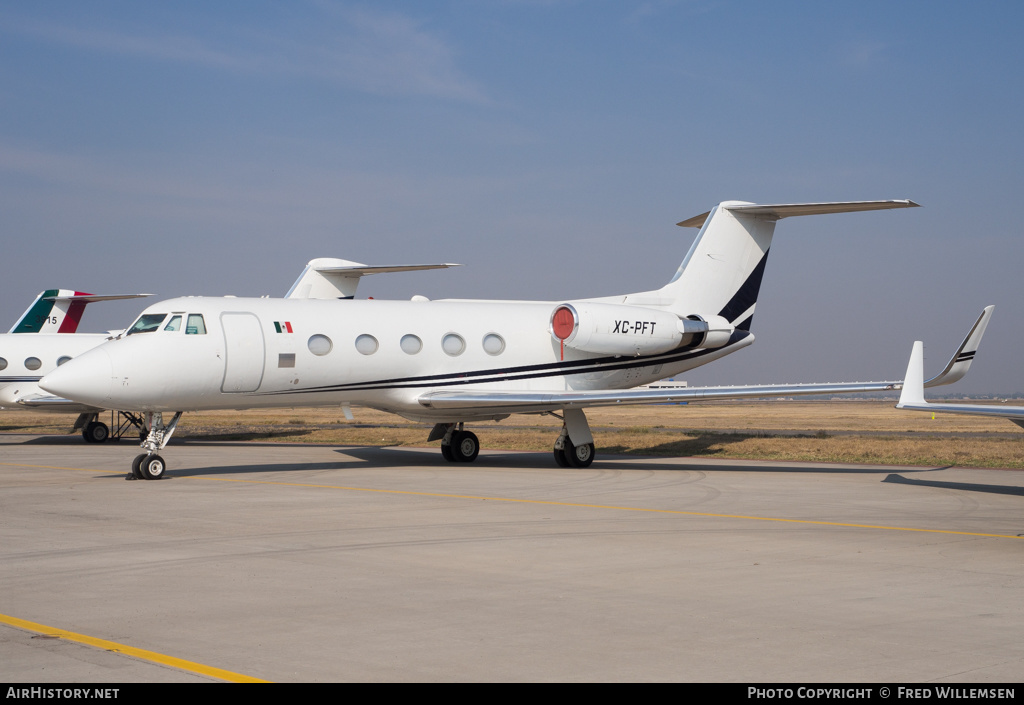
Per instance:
{"type": "Point", "coordinates": [85, 379]}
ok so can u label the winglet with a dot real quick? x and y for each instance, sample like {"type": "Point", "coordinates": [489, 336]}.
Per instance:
{"type": "Point", "coordinates": [962, 358]}
{"type": "Point", "coordinates": [913, 382]}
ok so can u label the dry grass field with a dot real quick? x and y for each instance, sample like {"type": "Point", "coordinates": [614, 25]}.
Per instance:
{"type": "Point", "coordinates": [834, 431]}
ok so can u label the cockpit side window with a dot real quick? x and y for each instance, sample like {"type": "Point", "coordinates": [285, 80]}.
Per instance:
{"type": "Point", "coordinates": [196, 325]}
{"type": "Point", "coordinates": [174, 323]}
{"type": "Point", "coordinates": [147, 323]}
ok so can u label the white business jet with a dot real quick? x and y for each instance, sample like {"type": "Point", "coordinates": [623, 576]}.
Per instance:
{"type": "Point", "coordinates": [912, 395]}
{"type": "Point", "coordinates": [42, 339]}
{"type": "Point", "coordinates": [448, 362]}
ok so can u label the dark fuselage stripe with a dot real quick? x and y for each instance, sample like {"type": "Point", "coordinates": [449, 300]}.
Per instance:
{"type": "Point", "coordinates": [512, 373]}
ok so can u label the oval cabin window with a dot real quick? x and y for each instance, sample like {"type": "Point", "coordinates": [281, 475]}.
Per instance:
{"type": "Point", "coordinates": [453, 344]}
{"type": "Point", "coordinates": [494, 344]}
{"type": "Point", "coordinates": [321, 344]}
{"type": "Point", "coordinates": [366, 344]}
{"type": "Point", "coordinates": [411, 344]}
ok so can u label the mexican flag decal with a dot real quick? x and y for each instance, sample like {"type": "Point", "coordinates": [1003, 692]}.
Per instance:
{"type": "Point", "coordinates": [283, 326]}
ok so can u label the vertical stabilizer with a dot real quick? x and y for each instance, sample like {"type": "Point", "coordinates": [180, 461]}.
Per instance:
{"type": "Point", "coordinates": [60, 311]}
{"type": "Point", "coordinates": [721, 274]}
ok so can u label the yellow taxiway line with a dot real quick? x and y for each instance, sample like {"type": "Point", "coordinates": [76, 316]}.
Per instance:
{"type": "Point", "coordinates": [152, 656]}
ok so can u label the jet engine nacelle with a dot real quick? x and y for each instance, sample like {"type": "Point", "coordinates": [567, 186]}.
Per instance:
{"type": "Point", "coordinates": [612, 329]}
{"type": "Point", "coordinates": [710, 332]}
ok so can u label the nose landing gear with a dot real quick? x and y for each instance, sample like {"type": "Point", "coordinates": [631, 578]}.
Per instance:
{"type": "Point", "coordinates": [150, 465]}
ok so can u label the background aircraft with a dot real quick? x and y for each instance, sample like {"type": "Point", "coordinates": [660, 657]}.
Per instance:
{"type": "Point", "coordinates": [451, 361]}
{"type": "Point", "coordinates": [43, 338]}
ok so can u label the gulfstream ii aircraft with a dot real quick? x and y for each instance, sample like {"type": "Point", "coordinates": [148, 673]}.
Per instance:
{"type": "Point", "coordinates": [448, 362]}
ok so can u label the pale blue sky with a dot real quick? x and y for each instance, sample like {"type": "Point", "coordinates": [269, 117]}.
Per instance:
{"type": "Point", "coordinates": [214, 148]}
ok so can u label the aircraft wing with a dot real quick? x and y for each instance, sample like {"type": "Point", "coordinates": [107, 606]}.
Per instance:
{"type": "Point", "coordinates": [526, 402]}
{"type": "Point", "coordinates": [912, 396]}
{"type": "Point", "coordinates": [493, 402]}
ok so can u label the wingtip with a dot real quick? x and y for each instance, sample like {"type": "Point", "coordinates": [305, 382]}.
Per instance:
{"type": "Point", "coordinates": [913, 381]}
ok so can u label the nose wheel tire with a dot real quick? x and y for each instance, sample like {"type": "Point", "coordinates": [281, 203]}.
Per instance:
{"type": "Point", "coordinates": [136, 473]}
{"type": "Point", "coordinates": [465, 446]}
{"type": "Point", "coordinates": [95, 432]}
{"type": "Point", "coordinates": [149, 467]}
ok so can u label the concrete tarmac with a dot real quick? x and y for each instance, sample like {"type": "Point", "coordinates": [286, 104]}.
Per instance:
{"type": "Point", "coordinates": [325, 563]}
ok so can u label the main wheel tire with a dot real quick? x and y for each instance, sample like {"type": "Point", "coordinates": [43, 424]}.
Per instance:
{"type": "Point", "coordinates": [465, 446]}
{"type": "Point", "coordinates": [96, 432]}
{"type": "Point", "coordinates": [580, 456]}
{"type": "Point", "coordinates": [560, 459]}
{"type": "Point", "coordinates": [136, 470]}
{"type": "Point", "coordinates": [446, 453]}
{"type": "Point", "coordinates": [152, 467]}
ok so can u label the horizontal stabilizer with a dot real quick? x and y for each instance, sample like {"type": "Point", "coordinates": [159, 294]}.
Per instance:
{"type": "Point", "coordinates": [92, 298]}
{"type": "Point", "coordinates": [786, 210]}
{"type": "Point", "coordinates": [330, 278]}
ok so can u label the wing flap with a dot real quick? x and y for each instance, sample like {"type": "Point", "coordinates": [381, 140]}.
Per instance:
{"type": "Point", "coordinates": [524, 402]}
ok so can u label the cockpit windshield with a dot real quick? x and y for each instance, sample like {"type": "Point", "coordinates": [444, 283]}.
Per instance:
{"type": "Point", "coordinates": [147, 323]}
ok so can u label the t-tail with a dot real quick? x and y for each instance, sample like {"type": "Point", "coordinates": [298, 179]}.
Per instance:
{"type": "Point", "coordinates": [720, 277]}
{"type": "Point", "coordinates": [60, 311]}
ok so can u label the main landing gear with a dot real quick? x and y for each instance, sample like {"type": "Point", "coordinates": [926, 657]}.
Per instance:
{"type": "Point", "coordinates": [95, 431]}
{"type": "Point", "coordinates": [458, 445]}
{"type": "Point", "coordinates": [573, 456]}
{"type": "Point", "coordinates": [149, 465]}
{"type": "Point", "coordinates": [574, 447]}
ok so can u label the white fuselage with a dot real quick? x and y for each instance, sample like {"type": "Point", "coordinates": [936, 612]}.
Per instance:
{"type": "Point", "coordinates": [26, 357]}
{"type": "Point", "coordinates": [383, 354]}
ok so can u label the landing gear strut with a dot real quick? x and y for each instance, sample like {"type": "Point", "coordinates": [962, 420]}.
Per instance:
{"type": "Point", "coordinates": [149, 465]}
